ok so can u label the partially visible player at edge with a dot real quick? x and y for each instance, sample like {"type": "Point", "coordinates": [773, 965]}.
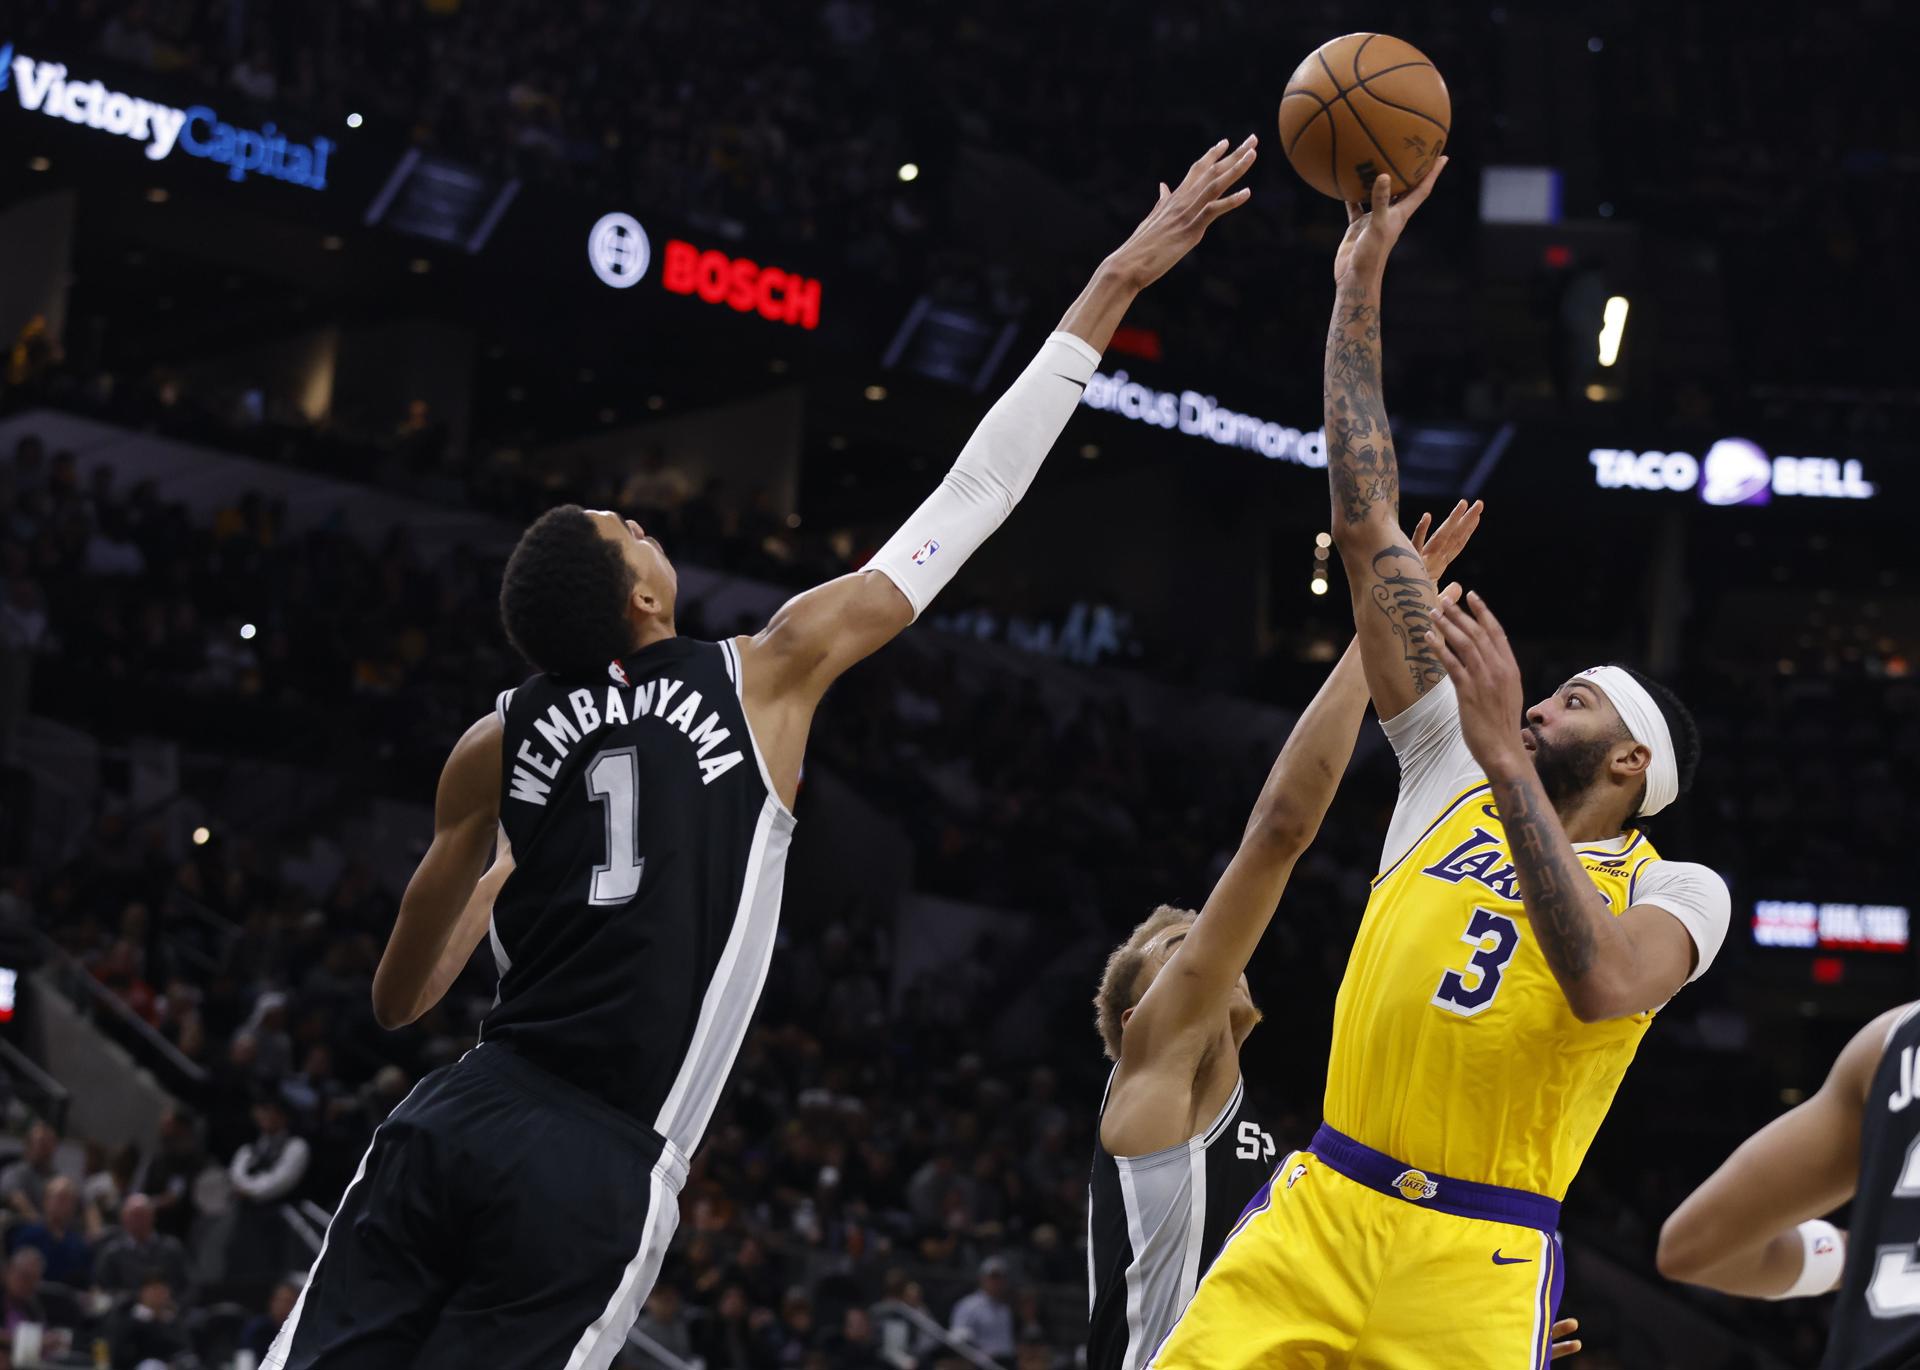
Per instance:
{"type": "Point", "coordinates": [1755, 1227]}
{"type": "Point", "coordinates": [1181, 1148]}
{"type": "Point", "coordinates": [514, 1209]}
{"type": "Point", "coordinates": [1518, 940]}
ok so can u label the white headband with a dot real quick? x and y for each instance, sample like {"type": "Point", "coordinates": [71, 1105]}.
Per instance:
{"type": "Point", "coordinates": [1648, 726]}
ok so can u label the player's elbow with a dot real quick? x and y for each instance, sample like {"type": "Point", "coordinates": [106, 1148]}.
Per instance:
{"type": "Point", "coordinates": [1282, 830]}
{"type": "Point", "coordinates": [1683, 1253]}
{"type": "Point", "coordinates": [391, 1009]}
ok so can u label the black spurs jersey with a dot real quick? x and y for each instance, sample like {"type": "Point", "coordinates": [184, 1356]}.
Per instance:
{"type": "Point", "coordinates": [1876, 1325]}
{"type": "Point", "coordinates": [633, 937]}
{"type": "Point", "coordinates": [1155, 1223]}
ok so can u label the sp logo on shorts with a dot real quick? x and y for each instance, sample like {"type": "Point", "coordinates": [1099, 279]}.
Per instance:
{"type": "Point", "coordinates": [1414, 1186]}
{"type": "Point", "coordinates": [1298, 1170]}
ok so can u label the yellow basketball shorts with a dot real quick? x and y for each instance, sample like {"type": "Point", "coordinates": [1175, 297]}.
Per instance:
{"type": "Point", "coordinates": [1349, 1260]}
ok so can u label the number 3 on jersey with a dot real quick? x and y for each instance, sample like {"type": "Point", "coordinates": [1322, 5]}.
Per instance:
{"type": "Point", "coordinates": [613, 779]}
{"type": "Point", "coordinates": [1494, 938]}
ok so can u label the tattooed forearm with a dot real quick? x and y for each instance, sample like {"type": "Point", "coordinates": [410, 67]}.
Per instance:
{"type": "Point", "coordinates": [1562, 904]}
{"type": "Point", "coordinates": [1401, 590]}
{"type": "Point", "coordinates": [1360, 462]}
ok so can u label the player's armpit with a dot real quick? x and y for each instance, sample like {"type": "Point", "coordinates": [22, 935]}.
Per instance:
{"type": "Point", "coordinates": [816, 636]}
{"type": "Point", "coordinates": [1736, 1232]}
{"type": "Point", "coordinates": [466, 816]}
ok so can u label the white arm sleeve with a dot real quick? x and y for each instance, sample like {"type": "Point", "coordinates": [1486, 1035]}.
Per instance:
{"type": "Point", "coordinates": [1694, 894]}
{"type": "Point", "coordinates": [994, 470]}
{"type": "Point", "coordinates": [1435, 765]}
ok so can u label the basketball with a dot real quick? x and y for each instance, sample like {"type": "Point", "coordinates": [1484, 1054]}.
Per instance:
{"type": "Point", "coordinates": [1361, 105]}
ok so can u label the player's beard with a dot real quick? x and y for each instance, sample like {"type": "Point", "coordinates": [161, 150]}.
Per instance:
{"type": "Point", "coordinates": [1567, 769]}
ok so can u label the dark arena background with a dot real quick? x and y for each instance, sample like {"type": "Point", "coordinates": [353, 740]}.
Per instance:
{"type": "Point", "coordinates": [288, 374]}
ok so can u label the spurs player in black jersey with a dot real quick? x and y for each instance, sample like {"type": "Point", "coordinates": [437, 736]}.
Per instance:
{"type": "Point", "coordinates": [514, 1209]}
{"type": "Point", "coordinates": [1756, 1227]}
{"type": "Point", "coordinates": [1181, 1150]}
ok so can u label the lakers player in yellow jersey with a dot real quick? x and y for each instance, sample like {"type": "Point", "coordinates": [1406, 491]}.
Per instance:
{"type": "Point", "coordinates": [1520, 936]}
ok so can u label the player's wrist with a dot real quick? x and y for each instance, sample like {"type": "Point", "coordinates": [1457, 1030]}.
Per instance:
{"type": "Point", "coordinates": [1121, 271]}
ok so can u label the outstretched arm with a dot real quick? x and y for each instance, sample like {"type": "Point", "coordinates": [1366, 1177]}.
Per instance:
{"type": "Point", "coordinates": [444, 914]}
{"type": "Point", "coordinates": [818, 635]}
{"type": "Point", "coordinates": [1393, 595]}
{"type": "Point", "coordinates": [1738, 1232]}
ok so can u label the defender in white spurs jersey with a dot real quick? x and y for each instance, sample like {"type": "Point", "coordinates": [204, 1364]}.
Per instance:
{"type": "Point", "coordinates": [513, 1211]}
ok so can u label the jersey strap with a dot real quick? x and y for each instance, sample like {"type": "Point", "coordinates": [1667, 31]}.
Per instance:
{"type": "Point", "coordinates": [1462, 1198]}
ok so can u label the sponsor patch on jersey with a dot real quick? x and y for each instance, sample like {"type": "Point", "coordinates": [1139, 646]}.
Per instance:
{"type": "Point", "coordinates": [618, 673]}
{"type": "Point", "coordinates": [1415, 1186]}
{"type": "Point", "coordinates": [927, 549]}
{"type": "Point", "coordinates": [1294, 1174]}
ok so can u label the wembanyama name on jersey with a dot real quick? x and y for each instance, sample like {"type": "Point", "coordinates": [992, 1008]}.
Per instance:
{"type": "Point", "coordinates": [590, 711]}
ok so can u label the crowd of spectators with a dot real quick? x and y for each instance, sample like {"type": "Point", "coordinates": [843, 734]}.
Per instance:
{"type": "Point", "coordinates": [790, 124]}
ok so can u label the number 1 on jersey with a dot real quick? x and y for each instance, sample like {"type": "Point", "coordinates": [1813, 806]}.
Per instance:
{"type": "Point", "coordinates": [613, 779]}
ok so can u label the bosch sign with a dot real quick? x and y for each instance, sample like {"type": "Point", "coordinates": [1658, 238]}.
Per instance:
{"type": "Point", "coordinates": [619, 252]}
{"type": "Point", "coordinates": [741, 284]}
{"type": "Point", "coordinates": [47, 88]}
{"type": "Point", "coordinates": [1736, 471]}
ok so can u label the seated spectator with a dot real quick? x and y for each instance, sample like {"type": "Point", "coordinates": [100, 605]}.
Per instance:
{"type": "Point", "coordinates": [108, 1185]}
{"type": "Point", "coordinates": [180, 1161]}
{"type": "Point", "coordinates": [854, 1346]}
{"type": "Point", "coordinates": [20, 1289]}
{"type": "Point", "coordinates": [24, 1183]}
{"type": "Point", "coordinates": [257, 1336]}
{"type": "Point", "coordinates": [984, 1318]}
{"type": "Point", "coordinates": [271, 1166]}
{"type": "Point", "coordinates": [664, 1321]}
{"type": "Point", "coordinates": [57, 1236]}
{"type": "Point", "coordinates": [734, 1338]}
{"type": "Point", "coordinates": [129, 1255]}
{"type": "Point", "coordinates": [148, 1329]}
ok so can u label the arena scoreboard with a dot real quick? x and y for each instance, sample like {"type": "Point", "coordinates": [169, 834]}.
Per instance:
{"type": "Point", "coordinates": [1812, 926]}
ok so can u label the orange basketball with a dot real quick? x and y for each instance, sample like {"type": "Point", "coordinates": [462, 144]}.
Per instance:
{"type": "Point", "coordinates": [1361, 105]}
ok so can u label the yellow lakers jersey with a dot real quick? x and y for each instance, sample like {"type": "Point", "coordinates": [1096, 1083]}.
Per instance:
{"type": "Point", "coordinates": [1453, 1047]}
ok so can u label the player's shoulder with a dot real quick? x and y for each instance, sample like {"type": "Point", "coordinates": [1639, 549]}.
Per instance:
{"type": "Point", "coordinates": [1659, 875]}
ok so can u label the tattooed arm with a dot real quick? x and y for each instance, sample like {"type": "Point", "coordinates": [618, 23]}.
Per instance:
{"type": "Point", "coordinates": [1393, 594]}
{"type": "Point", "coordinates": [1607, 966]}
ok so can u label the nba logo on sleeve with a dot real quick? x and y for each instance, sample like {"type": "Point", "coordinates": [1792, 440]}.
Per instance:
{"type": "Point", "coordinates": [927, 549]}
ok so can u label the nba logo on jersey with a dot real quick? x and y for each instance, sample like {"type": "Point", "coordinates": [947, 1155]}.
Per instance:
{"type": "Point", "coordinates": [1414, 1186]}
{"type": "Point", "coordinates": [927, 549]}
{"type": "Point", "coordinates": [618, 673]}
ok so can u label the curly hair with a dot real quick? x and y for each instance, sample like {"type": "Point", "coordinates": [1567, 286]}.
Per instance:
{"type": "Point", "coordinates": [564, 595]}
{"type": "Point", "coordinates": [1120, 982]}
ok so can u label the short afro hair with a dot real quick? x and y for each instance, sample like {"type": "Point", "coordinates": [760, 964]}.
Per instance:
{"type": "Point", "coordinates": [563, 599]}
{"type": "Point", "coordinates": [1680, 726]}
{"type": "Point", "coordinates": [1120, 983]}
